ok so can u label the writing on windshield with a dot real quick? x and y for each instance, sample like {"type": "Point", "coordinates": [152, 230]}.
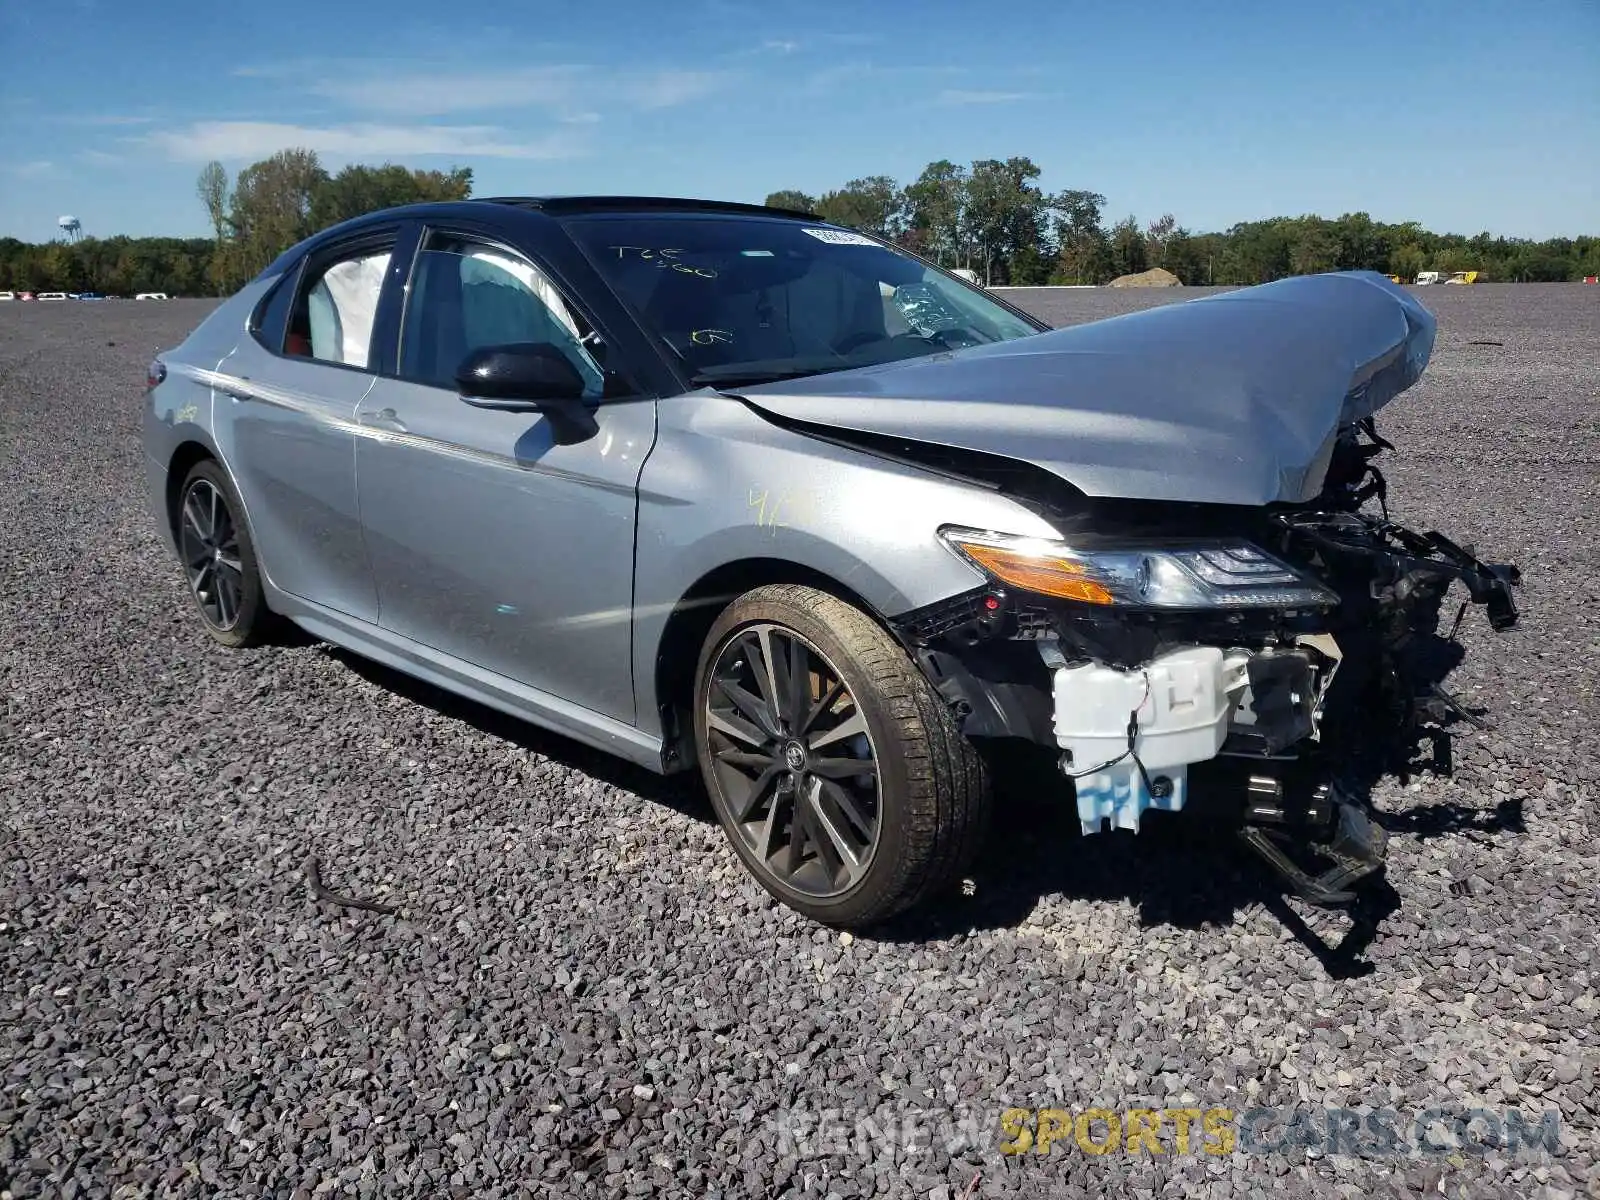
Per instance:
{"type": "Point", "coordinates": [749, 297]}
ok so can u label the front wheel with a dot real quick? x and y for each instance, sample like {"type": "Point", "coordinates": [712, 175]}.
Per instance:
{"type": "Point", "coordinates": [836, 770]}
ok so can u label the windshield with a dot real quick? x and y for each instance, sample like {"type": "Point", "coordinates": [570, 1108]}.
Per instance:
{"type": "Point", "coordinates": [749, 299]}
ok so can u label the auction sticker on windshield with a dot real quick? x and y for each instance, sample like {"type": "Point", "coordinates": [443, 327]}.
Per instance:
{"type": "Point", "coordinates": [838, 237]}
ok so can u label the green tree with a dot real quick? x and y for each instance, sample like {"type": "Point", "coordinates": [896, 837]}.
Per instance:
{"type": "Point", "coordinates": [1005, 213]}
{"type": "Point", "coordinates": [1313, 247]}
{"type": "Point", "coordinates": [1127, 248]}
{"type": "Point", "coordinates": [212, 187]}
{"type": "Point", "coordinates": [358, 190]}
{"type": "Point", "coordinates": [11, 254]}
{"type": "Point", "coordinates": [790, 199]}
{"type": "Point", "coordinates": [1408, 260]}
{"type": "Point", "coordinates": [1082, 251]}
{"type": "Point", "coordinates": [1183, 255]}
{"type": "Point", "coordinates": [63, 268]}
{"type": "Point", "coordinates": [1363, 244]}
{"type": "Point", "coordinates": [1156, 235]}
{"type": "Point", "coordinates": [271, 210]}
{"type": "Point", "coordinates": [1253, 252]}
{"type": "Point", "coordinates": [935, 205]}
{"type": "Point", "coordinates": [873, 205]}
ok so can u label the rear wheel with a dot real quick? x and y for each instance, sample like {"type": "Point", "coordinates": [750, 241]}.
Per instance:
{"type": "Point", "coordinates": [219, 559]}
{"type": "Point", "coordinates": [836, 770]}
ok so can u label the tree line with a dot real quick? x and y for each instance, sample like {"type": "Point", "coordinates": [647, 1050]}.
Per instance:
{"type": "Point", "coordinates": [991, 217]}
{"type": "Point", "coordinates": [268, 207]}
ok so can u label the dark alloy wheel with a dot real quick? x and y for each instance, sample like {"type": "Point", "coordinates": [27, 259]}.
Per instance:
{"type": "Point", "coordinates": [219, 559]}
{"type": "Point", "coordinates": [794, 759]}
{"type": "Point", "coordinates": [210, 547]}
{"type": "Point", "coordinates": [836, 770]}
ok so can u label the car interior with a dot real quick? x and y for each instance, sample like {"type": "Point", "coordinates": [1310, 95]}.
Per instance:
{"type": "Point", "coordinates": [332, 320]}
{"type": "Point", "coordinates": [760, 308]}
{"type": "Point", "coordinates": [467, 295]}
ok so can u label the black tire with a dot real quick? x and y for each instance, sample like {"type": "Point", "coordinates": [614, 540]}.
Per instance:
{"type": "Point", "coordinates": [248, 621]}
{"type": "Point", "coordinates": [932, 789]}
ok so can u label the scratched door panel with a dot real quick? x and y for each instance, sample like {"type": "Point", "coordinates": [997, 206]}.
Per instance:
{"type": "Point", "coordinates": [494, 544]}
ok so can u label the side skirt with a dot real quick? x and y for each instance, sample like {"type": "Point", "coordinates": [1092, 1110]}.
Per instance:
{"type": "Point", "coordinates": [464, 679]}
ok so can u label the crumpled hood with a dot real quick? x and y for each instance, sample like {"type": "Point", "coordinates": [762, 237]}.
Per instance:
{"type": "Point", "coordinates": [1233, 398]}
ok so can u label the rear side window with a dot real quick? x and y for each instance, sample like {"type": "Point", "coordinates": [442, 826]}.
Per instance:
{"type": "Point", "coordinates": [468, 293]}
{"type": "Point", "coordinates": [336, 305]}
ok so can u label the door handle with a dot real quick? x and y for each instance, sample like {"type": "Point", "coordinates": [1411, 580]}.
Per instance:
{"type": "Point", "coordinates": [386, 419]}
{"type": "Point", "coordinates": [236, 390]}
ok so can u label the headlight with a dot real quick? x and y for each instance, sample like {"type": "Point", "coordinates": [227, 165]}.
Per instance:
{"type": "Point", "coordinates": [1220, 574]}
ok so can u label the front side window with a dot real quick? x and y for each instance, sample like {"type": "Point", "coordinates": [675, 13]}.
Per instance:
{"type": "Point", "coordinates": [467, 294]}
{"type": "Point", "coordinates": [336, 306]}
{"type": "Point", "coordinates": [753, 298]}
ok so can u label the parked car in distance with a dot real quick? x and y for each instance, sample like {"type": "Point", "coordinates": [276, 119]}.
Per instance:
{"type": "Point", "coordinates": [152, 296]}
{"type": "Point", "coordinates": [52, 296]}
{"type": "Point", "coordinates": [8, 295]}
{"type": "Point", "coordinates": [88, 296]}
{"type": "Point", "coordinates": [720, 487]}
{"type": "Point", "coordinates": [969, 275]}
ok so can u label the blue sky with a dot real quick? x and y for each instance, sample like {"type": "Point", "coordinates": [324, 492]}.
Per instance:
{"type": "Point", "coordinates": [1462, 114]}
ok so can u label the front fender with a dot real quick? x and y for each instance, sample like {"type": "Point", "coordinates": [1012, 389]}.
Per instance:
{"type": "Point", "coordinates": [724, 486]}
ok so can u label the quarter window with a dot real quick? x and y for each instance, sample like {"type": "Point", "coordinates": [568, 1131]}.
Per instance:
{"type": "Point", "coordinates": [269, 324]}
{"type": "Point", "coordinates": [466, 294]}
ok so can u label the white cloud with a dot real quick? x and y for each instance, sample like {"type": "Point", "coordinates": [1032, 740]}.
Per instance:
{"type": "Point", "coordinates": [382, 109]}
{"type": "Point", "coordinates": [230, 140]}
{"type": "Point", "coordinates": [432, 93]}
{"type": "Point", "coordinates": [785, 45]}
{"type": "Point", "coordinates": [967, 96]}
{"type": "Point", "coordinates": [100, 120]}
{"type": "Point", "coordinates": [668, 89]}
{"type": "Point", "coordinates": [99, 157]}
{"type": "Point", "coordinates": [388, 90]}
{"type": "Point", "coordinates": [39, 168]}
{"type": "Point", "coordinates": [830, 81]}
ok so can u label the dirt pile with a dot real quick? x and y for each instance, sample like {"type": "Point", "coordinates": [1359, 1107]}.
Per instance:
{"type": "Point", "coordinates": [1154, 277]}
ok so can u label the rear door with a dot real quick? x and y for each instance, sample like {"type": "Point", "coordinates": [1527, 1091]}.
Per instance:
{"type": "Point", "coordinates": [292, 389]}
{"type": "Point", "coordinates": [495, 537]}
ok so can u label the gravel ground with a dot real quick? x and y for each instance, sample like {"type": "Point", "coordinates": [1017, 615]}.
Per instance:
{"type": "Point", "coordinates": [583, 994]}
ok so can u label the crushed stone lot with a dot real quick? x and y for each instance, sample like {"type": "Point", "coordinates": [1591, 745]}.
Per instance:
{"type": "Point", "coordinates": [583, 993]}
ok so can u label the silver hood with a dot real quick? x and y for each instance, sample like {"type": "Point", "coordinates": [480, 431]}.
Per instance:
{"type": "Point", "coordinates": [1233, 398]}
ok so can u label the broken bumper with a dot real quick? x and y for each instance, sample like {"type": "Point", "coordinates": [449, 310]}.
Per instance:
{"type": "Point", "coordinates": [1270, 704]}
{"type": "Point", "coordinates": [1129, 736]}
{"type": "Point", "coordinates": [1128, 739]}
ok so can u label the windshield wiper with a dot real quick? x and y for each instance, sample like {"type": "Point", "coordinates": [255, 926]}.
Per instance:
{"type": "Point", "coordinates": [735, 374]}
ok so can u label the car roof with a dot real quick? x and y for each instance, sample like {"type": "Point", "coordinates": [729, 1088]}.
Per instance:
{"type": "Point", "coordinates": [564, 205]}
{"type": "Point", "coordinates": [555, 206]}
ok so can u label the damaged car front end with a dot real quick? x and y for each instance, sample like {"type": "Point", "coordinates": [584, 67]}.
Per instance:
{"type": "Point", "coordinates": [1228, 605]}
{"type": "Point", "coordinates": [1253, 646]}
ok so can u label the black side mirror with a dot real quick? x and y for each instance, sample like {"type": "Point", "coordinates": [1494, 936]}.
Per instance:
{"type": "Point", "coordinates": [521, 376]}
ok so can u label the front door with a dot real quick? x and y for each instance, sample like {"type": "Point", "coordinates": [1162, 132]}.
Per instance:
{"type": "Point", "coordinates": [490, 539]}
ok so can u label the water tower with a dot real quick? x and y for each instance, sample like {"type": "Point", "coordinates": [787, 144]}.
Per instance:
{"type": "Point", "coordinates": [71, 227]}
